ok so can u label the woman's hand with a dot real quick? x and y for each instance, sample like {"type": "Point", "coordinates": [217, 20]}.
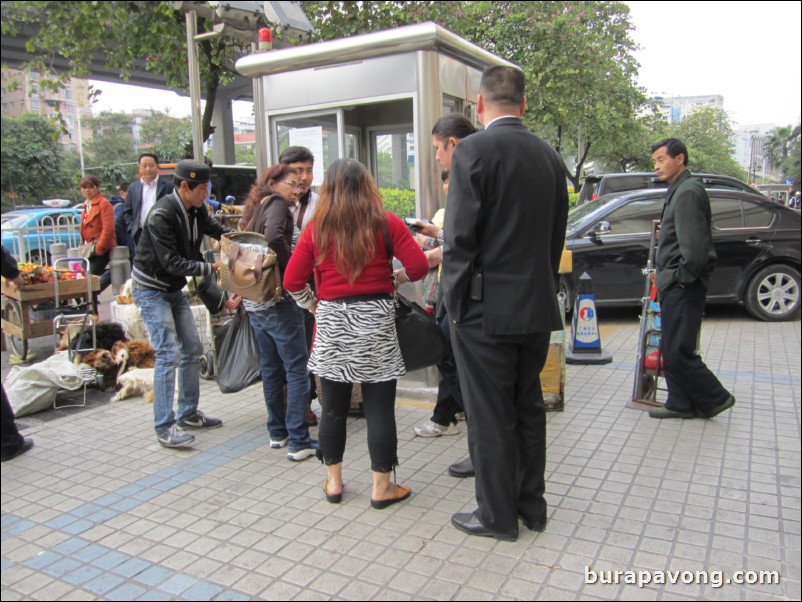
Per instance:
{"type": "Point", "coordinates": [428, 229]}
{"type": "Point", "coordinates": [400, 276]}
{"type": "Point", "coordinates": [434, 256]}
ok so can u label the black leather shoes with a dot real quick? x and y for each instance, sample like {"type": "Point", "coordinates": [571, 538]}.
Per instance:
{"type": "Point", "coordinates": [538, 527]}
{"type": "Point", "coordinates": [462, 469]}
{"type": "Point", "coordinates": [470, 524]}
{"type": "Point", "coordinates": [27, 443]}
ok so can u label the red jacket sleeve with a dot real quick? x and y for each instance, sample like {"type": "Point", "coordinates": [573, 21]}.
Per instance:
{"type": "Point", "coordinates": [406, 249]}
{"type": "Point", "coordinates": [301, 264]}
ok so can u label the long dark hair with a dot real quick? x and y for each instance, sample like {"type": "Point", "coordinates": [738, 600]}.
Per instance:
{"type": "Point", "coordinates": [348, 216]}
{"type": "Point", "coordinates": [261, 189]}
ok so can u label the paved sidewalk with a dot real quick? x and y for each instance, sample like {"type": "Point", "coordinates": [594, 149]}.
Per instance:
{"type": "Point", "coordinates": [97, 510]}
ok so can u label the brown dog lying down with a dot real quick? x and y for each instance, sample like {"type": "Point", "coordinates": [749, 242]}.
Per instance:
{"type": "Point", "coordinates": [136, 353]}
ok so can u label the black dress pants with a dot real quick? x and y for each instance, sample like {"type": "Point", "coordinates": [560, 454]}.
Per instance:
{"type": "Point", "coordinates": [500, 378]}
{"type": "Point", "coordinates": [691, 384]}
{"type": "Point", "coordinates": [10, 440]}
{"type": "Point", "coordinates": [449, 395]}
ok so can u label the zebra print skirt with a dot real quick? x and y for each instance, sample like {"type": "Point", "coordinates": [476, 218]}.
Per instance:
{"type": "Point", "coordinates": [356, 342]}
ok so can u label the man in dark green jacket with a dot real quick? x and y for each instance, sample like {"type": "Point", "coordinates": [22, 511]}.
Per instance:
{"type": "Point", "coordinates": [685, 262]}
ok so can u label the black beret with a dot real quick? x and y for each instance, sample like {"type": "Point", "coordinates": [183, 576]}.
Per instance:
{"type": "Point", "coordinates": [192, 171]}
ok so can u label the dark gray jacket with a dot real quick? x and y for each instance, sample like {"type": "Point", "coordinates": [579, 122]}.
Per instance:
{"type": "Point", "coordinates": [685, 253]}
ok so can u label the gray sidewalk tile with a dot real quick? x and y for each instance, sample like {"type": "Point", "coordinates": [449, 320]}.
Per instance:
{"type": "Point", "coordinates": [232, 519]}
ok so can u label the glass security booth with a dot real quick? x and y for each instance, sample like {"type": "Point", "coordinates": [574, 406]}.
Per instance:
{"type": "Point", "coordinates": [374, 98]}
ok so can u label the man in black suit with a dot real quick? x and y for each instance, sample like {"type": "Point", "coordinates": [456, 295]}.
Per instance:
{"type": "Point", "coordinates": [504, 234]}
{"type": "Point", "coordinates": [141, 196]}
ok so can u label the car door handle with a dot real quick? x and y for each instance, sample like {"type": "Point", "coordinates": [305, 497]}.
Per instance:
{"type": "Point", "coordinates": [753, 242]}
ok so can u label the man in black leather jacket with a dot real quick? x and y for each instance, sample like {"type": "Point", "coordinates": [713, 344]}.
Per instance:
{"type": "Point", "coordinates": [168, 252]}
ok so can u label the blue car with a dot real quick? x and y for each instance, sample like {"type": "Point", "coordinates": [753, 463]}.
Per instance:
{"type": "Point", "coordinates": [28, 233]}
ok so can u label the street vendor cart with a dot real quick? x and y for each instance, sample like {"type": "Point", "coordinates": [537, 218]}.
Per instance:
{"type": "Point", "coordinates": [22, 321]}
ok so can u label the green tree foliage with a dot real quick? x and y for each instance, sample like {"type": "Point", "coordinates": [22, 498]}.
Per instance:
{"type": "Point", "coordinates": [167, 136]}
{"type": "Point", "coordinates": [707, 133]}
{"type": "Point", "coordinates": [578, 60]}
{"type": "Point", "coordinates": [125, 33]}
{"type": "Point", "coordinates": [629, 150]}
{"type": "Point", "coordinates": [31, 161]}
{"type": "Point", "coordinates": [577, 57]}
{"type": "Point", "coordinates": [784, 151]}
{"type": "Point", "coordinates": [110, 153]}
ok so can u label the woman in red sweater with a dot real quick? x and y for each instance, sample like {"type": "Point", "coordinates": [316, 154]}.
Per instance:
{"type": "Point", "coordinates": [97, 225]}
{"type": "Point", "coordinates": [355, 341]}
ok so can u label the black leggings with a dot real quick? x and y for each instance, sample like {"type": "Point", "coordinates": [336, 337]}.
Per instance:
{"type": "Point", "coordinates": [379, 405]}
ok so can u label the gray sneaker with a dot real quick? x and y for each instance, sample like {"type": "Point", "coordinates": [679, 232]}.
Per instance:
{"type": "Point", "coordinates": [200, 421]}
{"type": "Point", "coordinates": [175, 437]}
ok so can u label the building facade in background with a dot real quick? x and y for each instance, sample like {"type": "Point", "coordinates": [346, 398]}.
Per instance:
{"type": "Point", "coordinates": [22, 92]}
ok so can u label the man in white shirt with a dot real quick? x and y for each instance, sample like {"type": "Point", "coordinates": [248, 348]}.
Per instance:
{"type": "Point", "coordinates": [142, 194]}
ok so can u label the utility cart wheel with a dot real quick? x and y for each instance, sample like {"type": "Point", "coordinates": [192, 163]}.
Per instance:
{"type": "Point", "coordinates": [12, 312]}
{"type": "Point", "coordinates": [207, 366]}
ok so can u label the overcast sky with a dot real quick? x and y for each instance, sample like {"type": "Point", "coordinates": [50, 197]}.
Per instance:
{"type": "Point", "coordinates": [748, 52]}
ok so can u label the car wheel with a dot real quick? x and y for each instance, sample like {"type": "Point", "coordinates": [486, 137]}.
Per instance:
{"type": "Point", "coordinates": [39, 256]}
{"type": "Point", "coordinates": [564, 289]}
{"type": "Point", "coordinates": [773, 294]}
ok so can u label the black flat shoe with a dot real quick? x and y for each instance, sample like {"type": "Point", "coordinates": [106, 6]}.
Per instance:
{"type": "Point", "coordinates": [403, 493]}
{"type": "Point", "coordinates": [27, 443]}
{"type": "Point", "coordinates": [470, 524]}
{"type": "Point", "coordinates": [462, 469]}
{"type": "Point", "coordinates": [332, 498]}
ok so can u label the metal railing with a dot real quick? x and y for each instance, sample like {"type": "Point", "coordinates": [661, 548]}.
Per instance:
{"type": "Point", "coordinates": [32, 244]}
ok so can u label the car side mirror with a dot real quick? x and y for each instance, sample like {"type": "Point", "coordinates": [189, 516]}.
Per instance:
{"type": "Point", "coordinates": [599, 229]}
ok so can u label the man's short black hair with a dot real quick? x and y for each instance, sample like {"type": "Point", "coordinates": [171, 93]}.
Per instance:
{"type": "Point", "coordinates": [453, 125]}
{"type": "Point", "coordinates": [505, 86]}
{"type": "Point", "coordinates": [296, 154]}
{"type": "Point", "coordinates": [151, 155]}
{"type": "Point", "coordinates": [124, 186]}
{"type": "Point", "coordinates": [674, 146]}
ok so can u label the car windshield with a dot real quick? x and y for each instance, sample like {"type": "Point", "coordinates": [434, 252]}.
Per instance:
{"type": "Point", "coordinates": [14, 220]}
{"type": "Point", "coordinates": [582, 213]}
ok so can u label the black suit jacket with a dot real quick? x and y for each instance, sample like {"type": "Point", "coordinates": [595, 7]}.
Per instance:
{"type": "Point", "coordinates": [506, 216]}
{"type": "Point", "coordinates": [133, 206]}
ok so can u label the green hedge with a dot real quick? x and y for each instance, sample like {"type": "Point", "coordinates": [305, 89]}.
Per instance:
{"type": "Point", "coordinates": [573, 197]}
{"type": "Point", "coordinates": [399, 201]}
{"type": "Point", "coordinates": [402, 202]}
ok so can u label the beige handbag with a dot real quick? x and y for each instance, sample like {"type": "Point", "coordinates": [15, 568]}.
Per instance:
{"type": "Point", "coordinates": [248, 272]}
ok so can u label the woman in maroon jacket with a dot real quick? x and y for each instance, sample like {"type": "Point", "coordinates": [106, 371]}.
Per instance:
{"type": "Point", "coordinates": [97, 225]}
{"type": "Point", "coordinates": [355, 340]}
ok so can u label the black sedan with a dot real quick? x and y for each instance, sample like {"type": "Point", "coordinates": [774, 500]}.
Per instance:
{"type": "Point", "coordinates": [757, 242]}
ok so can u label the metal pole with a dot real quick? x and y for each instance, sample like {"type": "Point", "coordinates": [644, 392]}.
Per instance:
{"type": "Point", "coordinates": [194, 85]}
{"type": "Point", "coordinates": [259, 122]}
{"type": "Point", "coordinates": [80, 140]}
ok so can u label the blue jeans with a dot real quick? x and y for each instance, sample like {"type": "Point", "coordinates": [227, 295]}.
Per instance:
{"type": "Point", "coordinates": [279, 331]}
{"type": "Point", "coordinates": [175, 339]}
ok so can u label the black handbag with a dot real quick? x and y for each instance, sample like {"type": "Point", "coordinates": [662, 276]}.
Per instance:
{"type": "Point", "coordinates": [419, 336]}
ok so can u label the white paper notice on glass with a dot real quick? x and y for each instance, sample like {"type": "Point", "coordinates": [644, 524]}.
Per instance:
{"type": "Point", "coordinates": [311, 138]}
